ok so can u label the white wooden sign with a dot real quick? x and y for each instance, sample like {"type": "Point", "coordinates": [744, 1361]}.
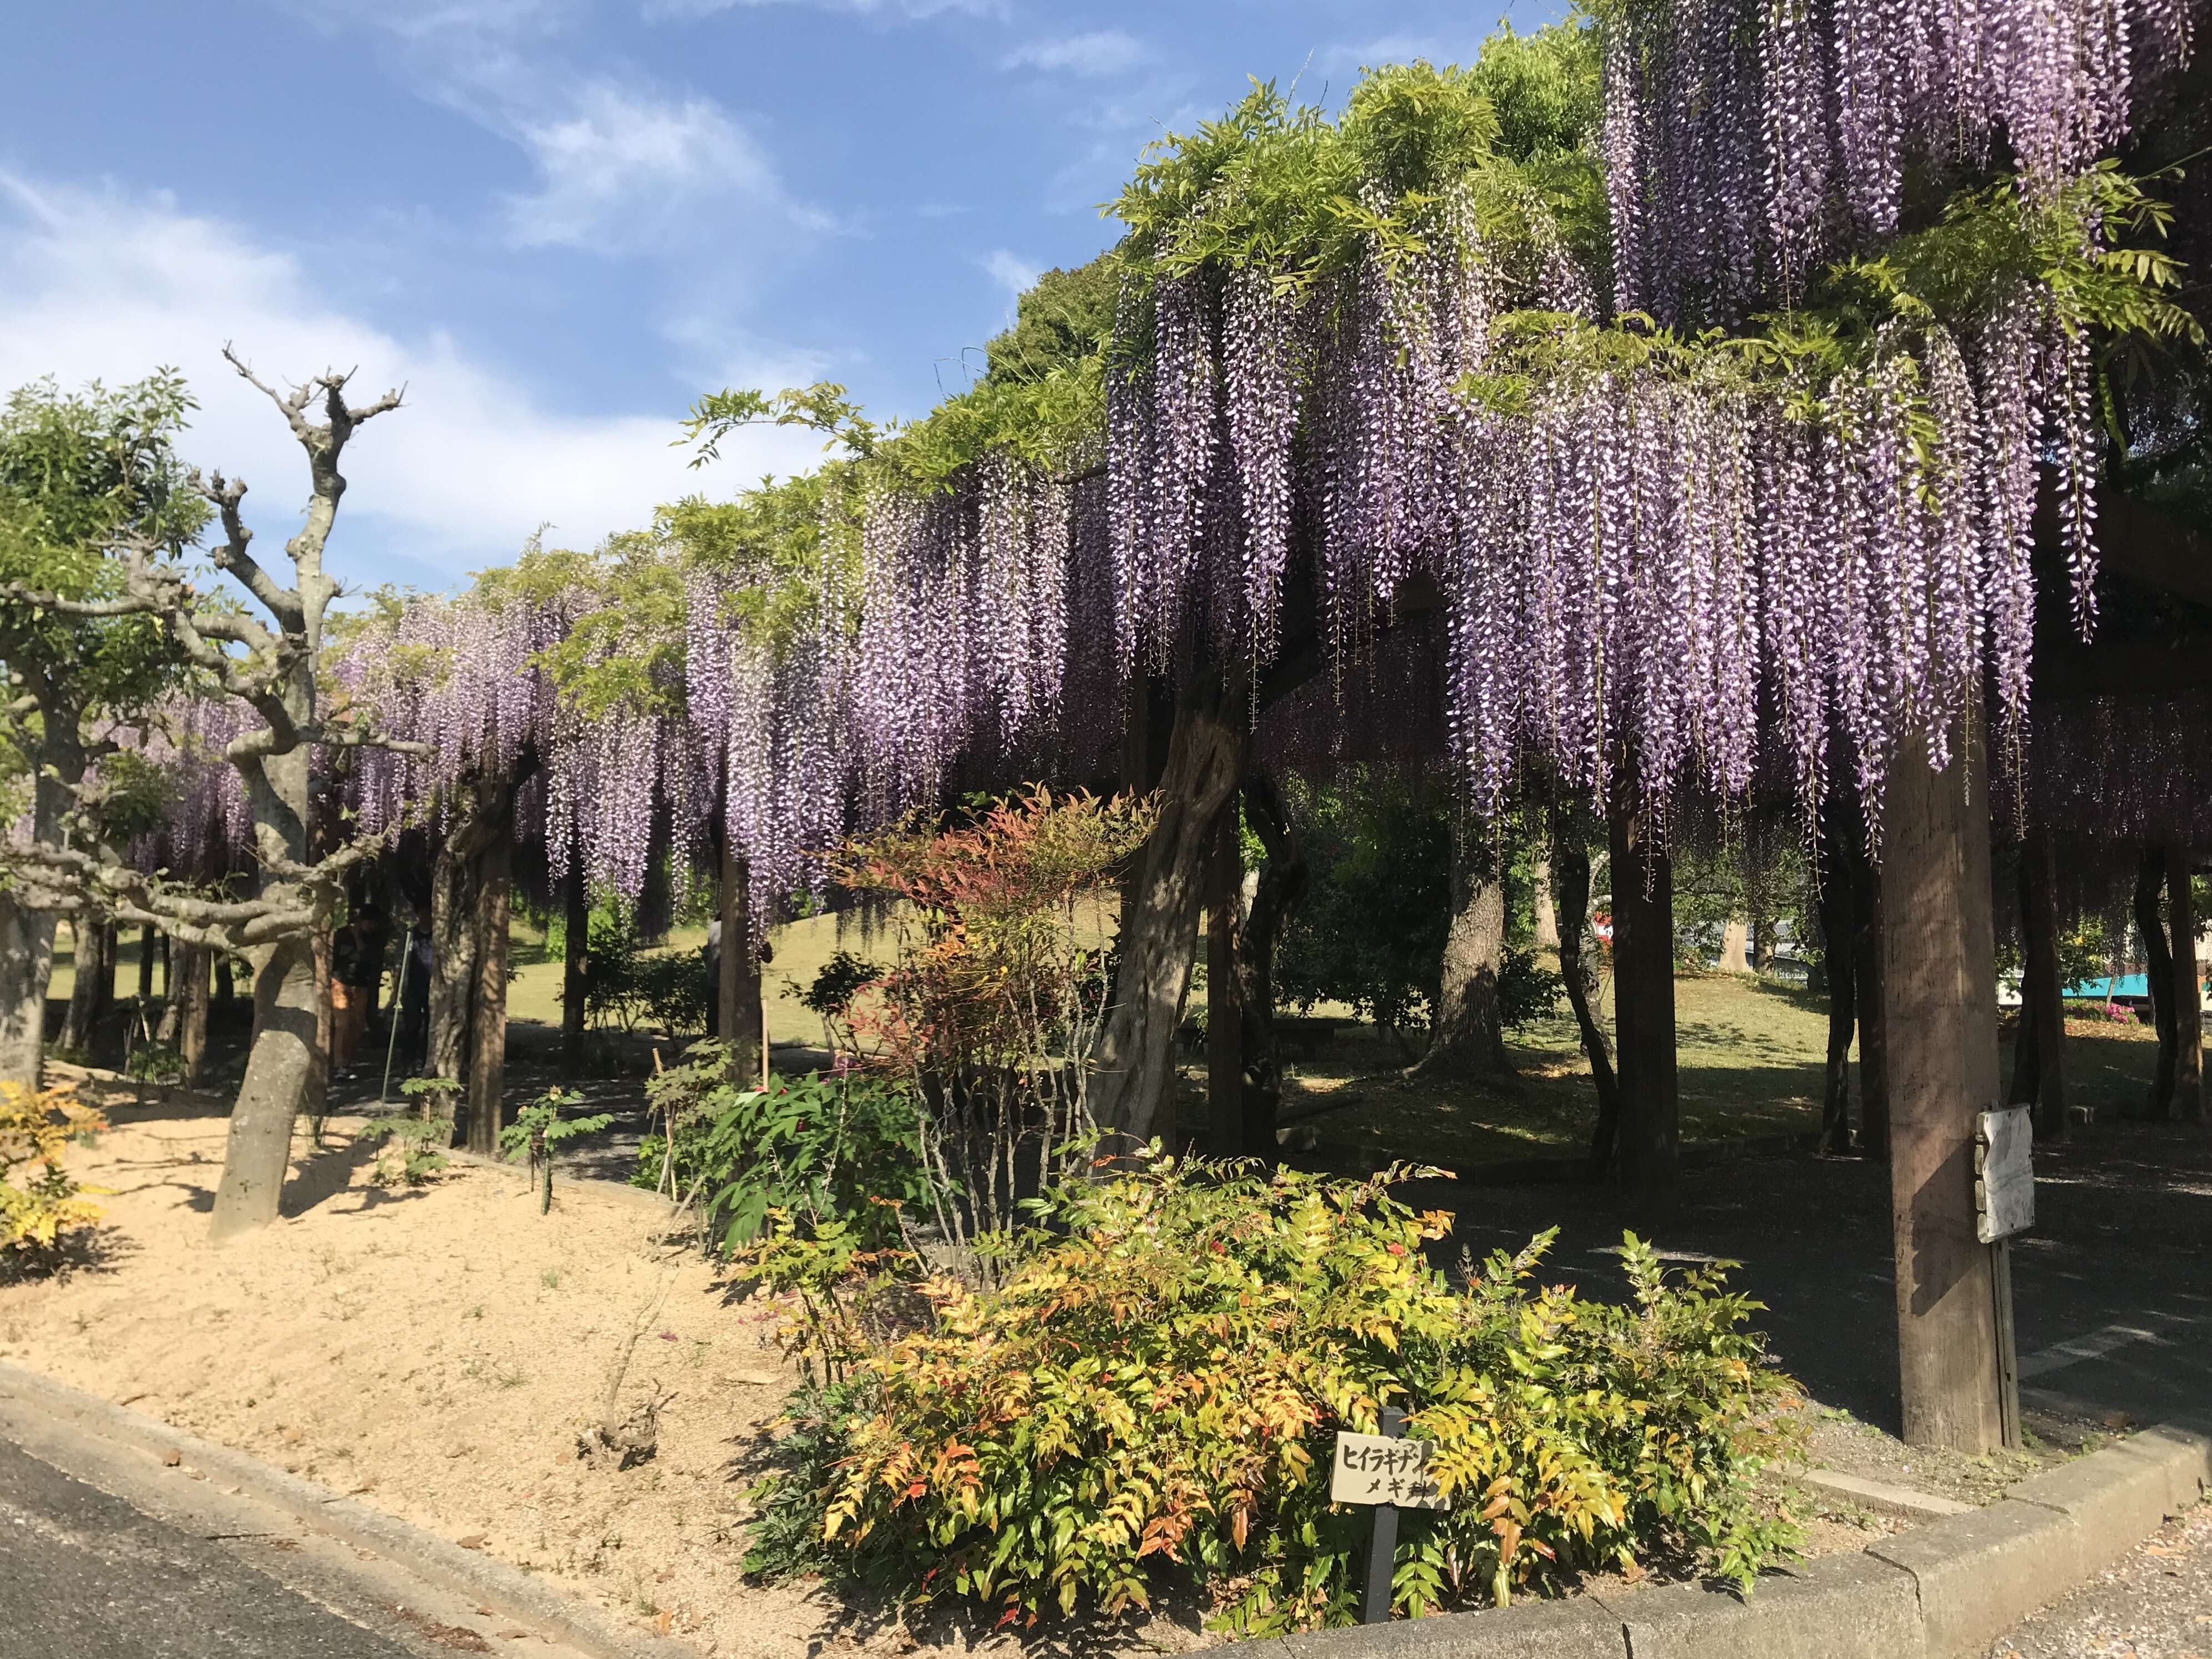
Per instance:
{"type": "Point", "coordinates": [1373, 1469]}
{"type": "Point", "coordinates": [2004, 1174]}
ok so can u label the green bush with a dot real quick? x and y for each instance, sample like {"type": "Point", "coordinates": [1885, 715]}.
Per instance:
{"type": "Point", "coordinates": [841, 1146]}
{"type": "Point", "coordinates": [1156, 1385]}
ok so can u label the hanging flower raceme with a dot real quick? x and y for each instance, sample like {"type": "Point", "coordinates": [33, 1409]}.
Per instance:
{"type": "Point", "coordinates": [1748, 142]}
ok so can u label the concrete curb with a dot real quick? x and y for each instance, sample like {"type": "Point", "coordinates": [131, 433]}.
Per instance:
{"type": "Point", "coordinates": [506, 1589]}
{"type": "Point", "coordinates": [1943, 1590]}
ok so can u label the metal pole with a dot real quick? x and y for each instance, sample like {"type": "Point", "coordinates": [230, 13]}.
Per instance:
{"type": "Point", "coordinates": [391, 1038]}
{"type": "Point", "coordinates": [1382, 1549]}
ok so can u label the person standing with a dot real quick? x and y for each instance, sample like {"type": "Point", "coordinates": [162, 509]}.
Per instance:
{"type": "Point", "coordinates": [357, 968]}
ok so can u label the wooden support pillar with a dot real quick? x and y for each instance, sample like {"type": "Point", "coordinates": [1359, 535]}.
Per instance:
{"type": "Point", "coordinates": [2188, 990]}
{"type": "Point", "coordinates": [1224, 1007]}
{"type": "Point", "coordinates": [2158, 966]}
{"type": "Point", "coordinates": [1643, 1015]}
{"type": "Point", "coordinates": [1940, 988]}
{"type": "Point", "coordinates": [739, 1014]}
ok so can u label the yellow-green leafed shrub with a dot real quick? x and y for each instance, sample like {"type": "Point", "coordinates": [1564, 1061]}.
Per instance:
{"type": "Point", "coordinates": [1154, 1392]}
{"type": "Point", "coordinates": [39, 1199]}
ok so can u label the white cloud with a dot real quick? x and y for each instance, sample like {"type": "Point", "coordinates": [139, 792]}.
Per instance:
{"type": "Point", "coordinates": [1104, 51]}
{"type": "Point", "coordinates": [1015, 276]}
{"type": "Point", "coordinates": [1344, 57]}
{"type": "Point", "coordinates": [684, 9]}
{"type": "Point", "coordinates": [103, 286]}
{"type": "Point", "coordinates": [621, 163]}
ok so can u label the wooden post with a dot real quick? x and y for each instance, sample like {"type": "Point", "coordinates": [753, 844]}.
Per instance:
{"type": "Point", "coordinates": [739, 1012]}
{"type": "Point", "coordinates": [1940, 991]}
{"type": "Point", "coordinates": [1644, 1014]}
{"type": "Point", "coordinates": [2188, 992]}
{"type": "Point", "coordinates": [1382, 1541]}
{"type": "Point", "coordinates": [1225, 1008]}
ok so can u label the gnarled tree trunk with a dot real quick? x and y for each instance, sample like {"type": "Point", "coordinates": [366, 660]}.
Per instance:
{"type": "Point", "coordinates": [1133, 1094]}
{"type": "Point", "coordinates": [739, 1015]}
{"type": "Point", "coordinates": [1570, 858]}
{"type": "Point", "coordinates": [286, 1057]}
{"type": "Point", "coordinates": [1547, 910]}
{"type": "Point", "coordinates": [1468, 1039]}
{"type": "Point", "coordinates": [2188, 997]}
{"type": "Point", "coordinates": [2158, 963]}
{"type": "Point", "coordinates": [1224, 1001]}
{"type": "Point", "coordinates": [1277, 892]}
{"type": "Point", "coordinates": [576, 944]}
{"type": "Point", "coordinates": [1840, 930]}
{"type": "Point", "coordinates": [1643, 1014]}
{"type": "Point", "coordinates": [488, 1055]}
{"type": "Point", "coordinates": [2040, 1053]}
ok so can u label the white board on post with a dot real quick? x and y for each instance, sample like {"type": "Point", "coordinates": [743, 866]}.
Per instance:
{"type": "Point", "coordinates": [1374, 1468]}
{"type": "Point", "coordinates": [2004, 1174]}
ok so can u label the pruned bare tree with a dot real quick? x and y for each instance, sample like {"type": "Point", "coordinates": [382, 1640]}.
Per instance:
{"type": "Point", "coordinates": [267, 661]}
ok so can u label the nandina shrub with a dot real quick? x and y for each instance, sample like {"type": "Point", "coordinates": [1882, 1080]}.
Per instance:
{"type": "Point", "coordinates": [990, 1008]}
{"type": "Point", "coordinates": [40, 1200]}
{"type": "Point", "coordinates": [1153, 1390]}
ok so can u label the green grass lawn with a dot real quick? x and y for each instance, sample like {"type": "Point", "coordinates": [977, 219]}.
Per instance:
{"type": "Point", "coordinates": [1750, 1055]}
{"type": "Point", "coordinates": [800, 949]}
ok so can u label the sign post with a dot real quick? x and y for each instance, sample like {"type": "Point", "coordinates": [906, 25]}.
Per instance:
{"type": "Point", "coordinates": [2004, 1203]}
{"type": "Point", "coordinates": [1391, 1473]}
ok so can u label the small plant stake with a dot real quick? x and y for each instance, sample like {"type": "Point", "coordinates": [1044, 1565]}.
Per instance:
{"type": "Point", "coordinates": [1390, 1472]}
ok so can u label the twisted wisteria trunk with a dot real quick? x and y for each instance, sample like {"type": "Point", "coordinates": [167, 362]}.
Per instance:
{"type": "Point", "coordinates": [1570, 858]}
{"type": "Point", "coordinates": [2158, 964]}
{"type": "Point", "coordinates": [1873, 1024]}
{"type": "Point", "coordinates": [1839, 928]}
{"type": "Point", "coordinates": [740, 1016]}
{"type": "Point", "coordinates": [469, 901]}
{"type": "Point", "coordinates": [1468, 1038]}
{"type": "Point", "coordinates": [2040, 1063]}
{"type": "Point", "coordinates": [286, 1056]}
{"type": "Point", "coordinates": [1224, 999]}
{"type": "Point", "coordinates": [2188, 992]}
{"type": "Point", "coordinates": [1132, 1095]}
{"type": "Point", "coordinates": [92, 988]}
{"type": "Point", "coordinates": [576, 944]}
{"type": "Point", "coordinates": [1644, 1013]}
{"type": "Point", "coordinates": [1277, 893]}
{"type": "Point", "coordinates": [488, 1022]}
{"type": "Point", "coordinates": [1547, 910]}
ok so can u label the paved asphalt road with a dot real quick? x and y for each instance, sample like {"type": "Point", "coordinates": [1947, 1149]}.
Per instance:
{"type": "Point", "coordinates": [85, 1576]}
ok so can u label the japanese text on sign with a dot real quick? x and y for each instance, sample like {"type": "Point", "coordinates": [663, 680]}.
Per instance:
{"type": "Point", "coordinates": [1372, 1468]}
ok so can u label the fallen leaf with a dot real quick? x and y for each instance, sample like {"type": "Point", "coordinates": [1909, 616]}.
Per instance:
{"type": "Point", "coordinates": [173, 1460]}
{"type": "Point", "coordinates": [474, 1541]}
{"type": "Point", "coordinates": [666, 1620]}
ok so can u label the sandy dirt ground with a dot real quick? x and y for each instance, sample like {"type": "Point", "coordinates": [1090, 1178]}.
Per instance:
{"type": "Point", "coordinates": [437, 1353]}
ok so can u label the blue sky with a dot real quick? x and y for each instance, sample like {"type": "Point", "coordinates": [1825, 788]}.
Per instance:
{"type": "Point", "coordinates": [559, 221]}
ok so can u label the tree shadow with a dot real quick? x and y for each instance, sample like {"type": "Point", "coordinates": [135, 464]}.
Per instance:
{"type": "Point", "coordinates": [95, 1249]}
{"type": "Point", "coordinates": [324, 1175]}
